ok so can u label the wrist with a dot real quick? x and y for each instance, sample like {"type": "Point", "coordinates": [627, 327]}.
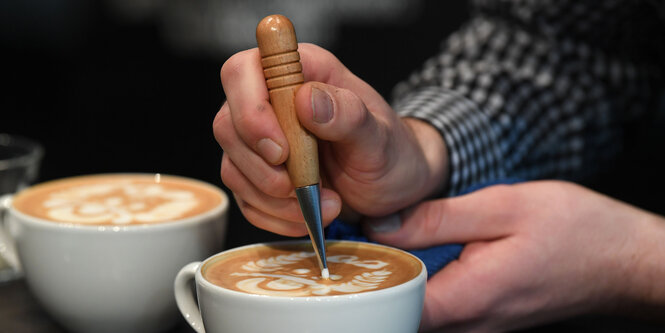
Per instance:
{"type": "Point", "coordinates": [435, 153]}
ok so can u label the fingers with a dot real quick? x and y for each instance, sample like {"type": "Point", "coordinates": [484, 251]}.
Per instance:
{"type": "Point", "coordinates": [255, 146]}
{"type": "Point", "coordinates": [265, 221]}
{"type": "Point", "coordinates": [272, 180]}
{"type": "Point", "coordinates": [444, 290]}
{"type": "Point", "coordinates": [247, 96]}
{"type": "Point", "coordinates": [466, 291]}
{"type": "Point", "coordinates": [279, 215]}
{"type": "Point", "coordinates": [286, 208]}
{"type": "Point", "coordinates": [268, 222]}
{"type": "Point", "coordinates": [483, 215]}
{"type": "Point", "coordinates": [252, 115]}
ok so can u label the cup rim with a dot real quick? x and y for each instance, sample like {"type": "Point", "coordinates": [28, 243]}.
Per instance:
{"type": "Point", "coordinates": [200, 280]}
{"type": "Point", "coordinates": [112, 228]}
{"type": "Point", "coordinates": [35, 151]}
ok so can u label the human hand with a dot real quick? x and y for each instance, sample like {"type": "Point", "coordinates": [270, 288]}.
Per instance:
{"type": "Point", "coordinates": [536, 252]}
{"type": "Point", "coordinates": [371, 160]}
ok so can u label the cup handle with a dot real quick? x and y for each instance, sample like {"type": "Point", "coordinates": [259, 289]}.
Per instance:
{"type": "Point", "coordinates": [184, 296]}
{"type": "Point", "coordinates": [7, 247]}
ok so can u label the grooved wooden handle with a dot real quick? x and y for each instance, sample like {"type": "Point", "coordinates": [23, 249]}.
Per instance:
{"type": "Point", "coordinates": [280, 59]}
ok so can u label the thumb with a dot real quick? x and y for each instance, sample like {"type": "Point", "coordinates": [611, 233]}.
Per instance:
{"type": "Point", "coordinates": [340, 116]}
{"type": "Point", "coordinates": [473, 217]}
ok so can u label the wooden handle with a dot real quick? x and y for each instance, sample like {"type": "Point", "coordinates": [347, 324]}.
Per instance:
{"type": "Point", "coordinates": [280, 59]}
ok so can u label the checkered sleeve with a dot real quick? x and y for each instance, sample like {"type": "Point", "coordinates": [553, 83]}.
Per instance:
{"type": "Point", "coordinates": [472, 143]}
{"type": "Point", "coordinates": [514, 99]}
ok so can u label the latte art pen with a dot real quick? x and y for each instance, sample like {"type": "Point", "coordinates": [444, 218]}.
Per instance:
{"type": "Point", "coordinates": [282, 69]}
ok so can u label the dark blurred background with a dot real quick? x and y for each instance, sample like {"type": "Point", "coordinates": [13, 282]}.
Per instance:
{"type": "Point", "coordinates": [133, 85]}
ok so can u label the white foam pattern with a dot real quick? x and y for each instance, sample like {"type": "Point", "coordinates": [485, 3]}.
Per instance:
{"type": "Point", "coordinates": [120, 202]}
{"type": "Point", "coordinates": [260, 279]}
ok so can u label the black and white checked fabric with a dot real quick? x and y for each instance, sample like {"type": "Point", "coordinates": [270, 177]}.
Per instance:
{"type": "Point", "coordinates": [539, 89]}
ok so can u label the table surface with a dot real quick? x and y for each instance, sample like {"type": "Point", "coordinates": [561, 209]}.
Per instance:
{"type": "Point", "coordinates": [20, 313]}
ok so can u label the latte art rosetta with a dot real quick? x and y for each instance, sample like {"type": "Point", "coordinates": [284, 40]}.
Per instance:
{"type": "Point", "coordinates": [119, 203]}
{"type": "Point", "coordinates": [118, 199]}
{"type": "Point", "coordinates": [292, 269]}
{"type": "Point", "coordinates": [297, 281]}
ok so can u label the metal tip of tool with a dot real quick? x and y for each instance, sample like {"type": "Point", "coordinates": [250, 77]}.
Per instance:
{"type": "Point", "coordinates": [309, 198]}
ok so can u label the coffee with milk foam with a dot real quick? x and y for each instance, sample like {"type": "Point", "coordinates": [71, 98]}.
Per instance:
{"type": "Point", "coordinates": [117, 199]}
{"type": "Point", "coordinates": [291, 270]}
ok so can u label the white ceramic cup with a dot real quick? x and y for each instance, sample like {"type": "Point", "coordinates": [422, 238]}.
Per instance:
{"type": "Point", "coordinates": [110, 278]}
{"type": "Point", "coordinates": [395, 309]}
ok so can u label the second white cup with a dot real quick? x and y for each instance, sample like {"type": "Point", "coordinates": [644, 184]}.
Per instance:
{"type": "Point", "coordinates": [112, 277]}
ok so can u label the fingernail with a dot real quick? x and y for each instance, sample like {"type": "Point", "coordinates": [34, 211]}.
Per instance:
{"type": "Point", "coordinates": [269, 150]}
{"type": "Point", "coordinates": [322, 106]}
{"type": "Point", "coordinates": [385, 224]}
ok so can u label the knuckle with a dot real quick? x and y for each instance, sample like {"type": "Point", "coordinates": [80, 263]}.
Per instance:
{"type": "Point", "coordinates": [276, 185]}
{"type": "Point", "coordinates": [432, 217]}
{"type": "Point", "coordinates": [228, 175]}
{"type": "Point", "coordinates": [251, 119]}
{"type": "Point", "coordinates": [358, 115]}
{"type": "Point", "coordinates": [319, 64]}
{"type": "Point", "coordinates": [250, 213]}
{"type": "Point", "coordinates": [222, 124]}
{"type": "Point", "coordinates": [231, 67]}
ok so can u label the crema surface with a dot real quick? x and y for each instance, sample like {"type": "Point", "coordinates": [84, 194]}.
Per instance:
{"type": "Point", "coordinates": [293, 271]}
{"type": "Point", "coordinates": [117, 199]}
